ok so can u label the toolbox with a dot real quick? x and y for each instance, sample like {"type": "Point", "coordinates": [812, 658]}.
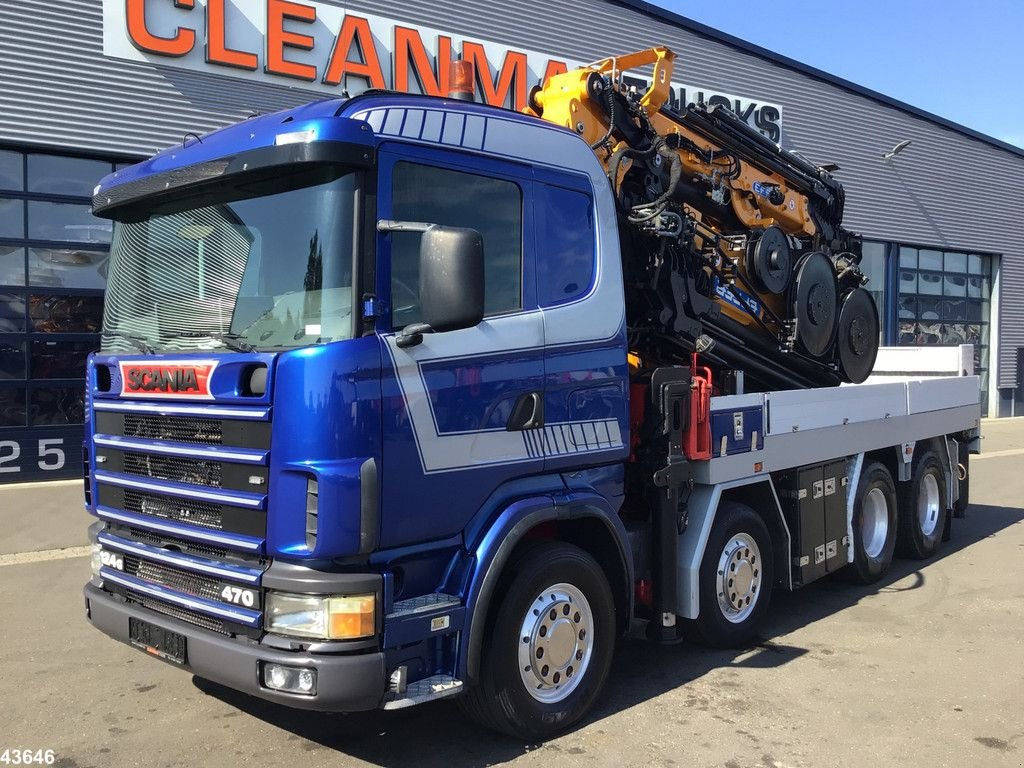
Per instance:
{"type": "Point", "coordinates": [813, 502]}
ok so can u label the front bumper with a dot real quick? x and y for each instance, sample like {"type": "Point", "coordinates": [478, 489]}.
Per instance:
{"type": "Point", "coordinates": [347, 683]}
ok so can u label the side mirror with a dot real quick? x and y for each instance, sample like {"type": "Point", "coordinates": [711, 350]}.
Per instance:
{"type": "Point", "coordinates": [451, 278]}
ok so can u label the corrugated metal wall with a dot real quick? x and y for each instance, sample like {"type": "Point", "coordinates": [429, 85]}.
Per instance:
{"type": "Point", "coordinates": [947, 189]}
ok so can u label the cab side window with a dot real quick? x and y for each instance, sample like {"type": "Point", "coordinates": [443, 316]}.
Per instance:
{"type": "Point", "coordinates": [566, 245]}
{"type": "Point", "coordinates": [493, 207]}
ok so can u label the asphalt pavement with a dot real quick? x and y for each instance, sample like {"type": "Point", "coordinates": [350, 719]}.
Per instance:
{"type": "Point", "coordinates": [924, 669]}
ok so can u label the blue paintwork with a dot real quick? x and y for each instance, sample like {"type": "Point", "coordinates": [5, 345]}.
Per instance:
{"type": "Point", "coordinates": [335, 406]}
{"type": "Point", "coordinates": [474, 394]}
{"type": "Point", "coordinates": [722, 426]}
{"type": "Point", "coordinates": [327, 425]}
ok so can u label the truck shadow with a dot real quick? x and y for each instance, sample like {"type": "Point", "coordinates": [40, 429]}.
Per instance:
{"type": "Point", "coordinates": [438, 734]}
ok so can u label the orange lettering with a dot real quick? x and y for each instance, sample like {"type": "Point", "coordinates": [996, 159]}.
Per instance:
{"type": "Point", "coordinates": [183, 41]}
{"type": "Point", "coordinates": [355, 29]}
{"type": "Point", "coordinates": [278, 37]}
{"type": "Point", "coordinates": [496, 92]}
{"type": "Point", "coordinates": [410, 51]}
{"type": "Point", "coordinates": [554, 68]}
{"type": "Point", "coordinates": [217, 51]}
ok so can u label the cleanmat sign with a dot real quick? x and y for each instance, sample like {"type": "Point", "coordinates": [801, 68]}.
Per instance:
{"type": "Point", "coordinates": [326, 48]}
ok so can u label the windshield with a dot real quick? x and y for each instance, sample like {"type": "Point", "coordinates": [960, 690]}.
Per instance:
{"type": "Point", "coordinates": [261, 265]}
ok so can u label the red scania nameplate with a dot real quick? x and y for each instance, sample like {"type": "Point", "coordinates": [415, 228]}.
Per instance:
{"type": "Point", "coordinates": [188, 379]}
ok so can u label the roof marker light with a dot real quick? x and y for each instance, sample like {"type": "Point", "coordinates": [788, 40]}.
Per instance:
{"type": "Point", "coordinates": [296, 137]}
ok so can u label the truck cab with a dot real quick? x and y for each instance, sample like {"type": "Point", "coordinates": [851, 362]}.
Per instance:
{"type": "Point", "coordinates": [297, 496]}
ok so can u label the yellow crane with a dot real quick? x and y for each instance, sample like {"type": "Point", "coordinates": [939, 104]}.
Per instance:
{"type": "Point", "coordinates": [739, 241]}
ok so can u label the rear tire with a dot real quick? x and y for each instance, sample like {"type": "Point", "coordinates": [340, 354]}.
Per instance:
{"type": "Point", "coordinates": [736, 579]}
{"type": "Point", "coordinates": [874, 524]}
{"type": "Point", "coordinates": [549, 644]}
{"type": "Point", "coordinates": [922, 513]}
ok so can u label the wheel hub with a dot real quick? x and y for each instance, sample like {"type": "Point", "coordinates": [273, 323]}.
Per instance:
{"type": "Point", "coordinates": [874, 522]}
{"type": "Point", "coordinates": [739, 577]}
{"type": "Point", "coordinates": [555, 643]}
{"type": "Point", "coordinates": [928, 505]}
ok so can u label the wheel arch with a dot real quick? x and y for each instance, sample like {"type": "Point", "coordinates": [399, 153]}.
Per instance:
{"type": "Point", "coordinates": [584, 519]}
{"type": "Point", "coordinates": [758, 493]}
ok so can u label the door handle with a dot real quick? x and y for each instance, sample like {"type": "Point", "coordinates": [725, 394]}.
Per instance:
{"type": "Point", "coordinates": [527, 413]}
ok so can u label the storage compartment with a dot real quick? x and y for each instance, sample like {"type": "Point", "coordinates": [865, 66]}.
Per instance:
{"type": "Point", "coordinates": [837, 542]}
{"type": "Point", "coordinates": [813, 502]}
{"type": "Point", "coordinates": [737, 431]}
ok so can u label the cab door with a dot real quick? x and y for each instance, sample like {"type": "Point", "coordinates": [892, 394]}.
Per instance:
{"type": "Point", "coordinates": [463, 410]}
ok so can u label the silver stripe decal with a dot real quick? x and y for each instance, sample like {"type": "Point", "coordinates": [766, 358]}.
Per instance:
{"type": "Point", "coordinates": [120, 443]}
{"type": "Point", "coordinates": [225, 498]}
{"type": "Point", "coordinates": [249, 618]}
{"type": "Point", "coordinates": [188, 532]}
{"type": "Point", "coordinates": [188, 563]}
{"type": "Point", "coordinates": [181, 410]}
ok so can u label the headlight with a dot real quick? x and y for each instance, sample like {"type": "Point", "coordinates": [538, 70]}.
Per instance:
{"type": "Point", "coordinates": [324, 617]}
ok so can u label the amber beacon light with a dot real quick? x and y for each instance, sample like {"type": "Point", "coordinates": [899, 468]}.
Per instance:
{"type": "Point", "coordinates": [462, 76]}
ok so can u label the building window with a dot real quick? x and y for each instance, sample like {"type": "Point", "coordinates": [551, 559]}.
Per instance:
{"type": "Point", "coordinates": [944, 300]}
{"type": "Point", "coordinates": [873, 264]}
{"type": "Point", "coordinates": [53, 271]}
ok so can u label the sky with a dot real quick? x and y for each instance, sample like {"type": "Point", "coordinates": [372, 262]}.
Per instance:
{"type": "Point", "coordinates": [961, 60]}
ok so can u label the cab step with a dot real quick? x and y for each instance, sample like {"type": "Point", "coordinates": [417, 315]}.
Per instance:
{"type": "Point", "coordinates": [427, 689]}
{"type": "Point", "coordinates": [435, 601]}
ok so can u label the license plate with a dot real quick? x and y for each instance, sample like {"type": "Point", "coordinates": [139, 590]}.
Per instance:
{"type": "Point", "coordinates": [157, 641]}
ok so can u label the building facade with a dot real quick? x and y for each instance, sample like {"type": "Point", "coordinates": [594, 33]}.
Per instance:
{"type": "Point", "coordinates": [89, 85]}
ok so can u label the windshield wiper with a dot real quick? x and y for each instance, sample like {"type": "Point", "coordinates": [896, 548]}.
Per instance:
{"type": "Point", "coordinates": [233, 341]}
{"type": "Point", "coordinates": [140, 343]}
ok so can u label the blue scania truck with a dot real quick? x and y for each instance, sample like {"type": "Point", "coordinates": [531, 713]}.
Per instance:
{"type": "Point", "coordinates": [369, 426]}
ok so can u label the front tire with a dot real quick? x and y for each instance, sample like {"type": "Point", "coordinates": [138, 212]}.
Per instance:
{"type": "Point", "coordinates": [874, 524]}
{"type": "Point", "coordinates": [923, 508]}
{"type": "Point", "coordinates": [548, 651]}
{"type": "Point", "coordinates": [736, 579]}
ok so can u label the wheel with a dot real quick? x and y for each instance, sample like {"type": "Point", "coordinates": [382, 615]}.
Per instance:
{"type": "Point", "coordinates": [922, 508]}
{"type": "Point", "coordinates": [736, 579]}
{"type": "Point", "coordinates": [547, 653]}
{"type": "Point", "coordinates": [874, 524]}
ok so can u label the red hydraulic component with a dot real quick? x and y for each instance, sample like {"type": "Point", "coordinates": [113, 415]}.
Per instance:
{"type": "Point", "coordinates": [637, 414]}
{"type": "Point", "coordinates": [644, 592]}
{"type": "Point", "coordinates": [697, 445]}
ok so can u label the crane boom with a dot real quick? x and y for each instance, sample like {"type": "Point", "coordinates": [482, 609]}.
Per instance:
{"type": "Point", "coordinates": [738, 241]}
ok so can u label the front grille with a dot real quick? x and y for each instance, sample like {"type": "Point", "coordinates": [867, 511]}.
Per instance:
{"type": "Point", "coordinates": [185, 429]}
{"type": "Point", "coordinates": [235, 516]}
{"type": "Point", "coordinates": [172, 578]}
{"type": "Point", "coordinates": [181, 614]}
{"type": "Point", "coordinates": [194, 471]}
{"type": "Point", "coordinates": [190, 511]}
{"type": "Point", "coordinates": [174, 542]}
